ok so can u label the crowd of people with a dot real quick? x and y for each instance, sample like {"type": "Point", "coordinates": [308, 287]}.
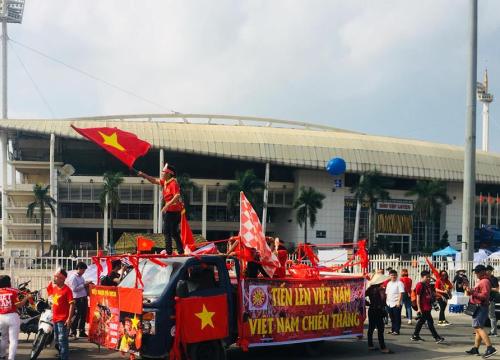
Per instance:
{"type": "Point", "coordinates": [386, 296]}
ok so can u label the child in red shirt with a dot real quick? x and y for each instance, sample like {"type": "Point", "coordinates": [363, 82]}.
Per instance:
{"type": "Point", "coordinates": [63, 308]}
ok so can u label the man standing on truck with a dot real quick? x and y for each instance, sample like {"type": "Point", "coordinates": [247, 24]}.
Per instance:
{"type": "Point", "coordinates": [425, 298]}
{"type": "Point", "coordinates": [171, 210]}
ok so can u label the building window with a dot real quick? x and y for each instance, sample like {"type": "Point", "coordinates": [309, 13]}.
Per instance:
{"type": "Point", "coordinates": [350, 217]}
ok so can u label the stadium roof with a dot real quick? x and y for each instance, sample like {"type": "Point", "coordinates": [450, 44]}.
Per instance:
{"type": "Point", "coordinates": [281, 142]}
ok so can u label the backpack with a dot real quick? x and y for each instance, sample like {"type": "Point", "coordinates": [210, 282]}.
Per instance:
{"type": "Point", "coordinates": [413, 297]}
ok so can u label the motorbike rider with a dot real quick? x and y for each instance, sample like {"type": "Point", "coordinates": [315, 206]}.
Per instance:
{"type": "Point", "coordinates": [9, 318]}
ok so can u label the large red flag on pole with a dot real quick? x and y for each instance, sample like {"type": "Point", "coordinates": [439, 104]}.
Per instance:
{"type": "Point", "coordinates": [252, 237]}
{"type": "Point", "coordinates": [125, 146]}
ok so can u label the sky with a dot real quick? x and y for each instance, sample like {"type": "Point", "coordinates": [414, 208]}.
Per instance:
{"type": "Point", "coordinates": [386, 67]}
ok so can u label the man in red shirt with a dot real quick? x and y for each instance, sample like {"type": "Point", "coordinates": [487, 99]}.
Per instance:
{"type": "Point", "coordinates": [425, 297]}
{"type": "Point", "coordinates": [172, 208]}
{"type": "Point", "coordinates": [63, 308]}
{"type": "Point", "coordinates": [407, 282]}
{"type": "Point", "coordinates": [480, 296]}
{"type": "Point", "coordinates": [9, 318]}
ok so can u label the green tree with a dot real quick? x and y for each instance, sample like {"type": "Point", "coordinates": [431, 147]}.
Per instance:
{"type": "Point", "coordinates": [371, 188]}
{"type": "Point", "coordinates": [431, 197]}
{"type": "Point", "coordinates": [251, 186]}
{"type": "Point", "coordinates": [112, 181]}
{"type": "Point", "coordinates": [43, 200]}
{"type": "Point", "coordinates": [186, 185]}
{"type": "Point", "coordinates": [307, 205]}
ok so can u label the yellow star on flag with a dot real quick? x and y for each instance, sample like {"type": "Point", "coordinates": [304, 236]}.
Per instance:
{"type": "Point", "coordinates": [206, 317]}
{"type": "Point", "coordinates": [135, 322]}
{"type": "Point", "coordinates": [111, 140]}
{"type": "Point", "coordinates": [55, 299]}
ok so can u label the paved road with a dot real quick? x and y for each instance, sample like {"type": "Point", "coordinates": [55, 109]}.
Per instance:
{"type": "Point", "coordinates": [458, 339]}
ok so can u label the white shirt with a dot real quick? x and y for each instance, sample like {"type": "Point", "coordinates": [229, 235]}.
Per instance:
{"type": "Point", "coordinates": [393, 291]}
{"type": "Point", "coordinates": [77, 285]}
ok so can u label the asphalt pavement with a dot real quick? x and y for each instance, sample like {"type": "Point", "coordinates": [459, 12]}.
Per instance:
{"type": "Point", "coordinates": [459, 337]}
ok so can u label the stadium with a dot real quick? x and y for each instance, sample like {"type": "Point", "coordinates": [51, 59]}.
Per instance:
{"type": "Point", "coordinates": [211, 149]}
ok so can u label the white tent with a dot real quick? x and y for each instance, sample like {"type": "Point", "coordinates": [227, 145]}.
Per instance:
{"type": "Point", "coordinates": [481, 256]}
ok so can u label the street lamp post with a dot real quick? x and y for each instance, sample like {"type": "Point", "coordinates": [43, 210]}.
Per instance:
{"type": "Point", "coordinates": [11, 11]}
{"type": "Point", "coordinates": [469, 190]}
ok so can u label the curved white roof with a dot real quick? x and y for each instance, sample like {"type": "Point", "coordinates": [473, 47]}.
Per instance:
{"type": "Point", "coordinates": [281, 142]}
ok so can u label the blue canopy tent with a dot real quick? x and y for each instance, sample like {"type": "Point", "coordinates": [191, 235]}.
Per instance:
{"type": "Point", "coordinates": [447, 251]}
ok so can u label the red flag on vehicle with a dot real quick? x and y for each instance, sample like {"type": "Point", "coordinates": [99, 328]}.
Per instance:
{"type": "Point", "coordinates": [206, 249]}
{"type": "Point", "coordinates": [144, 244]}
{"type": "Point", "coordinates": [186, 233]}
{"type": "Point", "coordinates": [125, 146]}
{"type": "Point", "coordinates": [252, 237]}
{"type": "Point", "coordinates": [203, 318]}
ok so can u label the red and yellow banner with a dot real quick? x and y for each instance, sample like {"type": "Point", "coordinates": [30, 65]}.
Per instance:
{"type": "Point", "coordinates": [116, 318]}
{"type": "Point", "coordinates": [286, 311]}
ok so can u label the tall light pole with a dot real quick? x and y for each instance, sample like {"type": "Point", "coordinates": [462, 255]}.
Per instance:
{"type": "Point", "coordinates": [469, 191]}
{"type": "Point", "coordinates": [11, 11]}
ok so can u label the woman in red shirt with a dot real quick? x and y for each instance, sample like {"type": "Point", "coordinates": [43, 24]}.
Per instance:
{"type": "Point", "coordinates": [171, 210]}
{"type": "Point", "coordinates": [443, 293]}
{"type": "Point", "coordinates": [9, 318]}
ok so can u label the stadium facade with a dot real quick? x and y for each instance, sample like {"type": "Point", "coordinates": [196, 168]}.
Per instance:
{"type": "Point", "coordinates": [211, 148]}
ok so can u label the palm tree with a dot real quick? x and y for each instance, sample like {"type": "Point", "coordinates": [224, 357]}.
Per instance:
{"type": "Point", "coordinates": [251, 186]}
{"type": "Point", "coordinates": [307, 205]}
{"type": "Point", "coordinates": [186, 184]}
{"type": "Point", "coordinates": [43, 200]}
{"type": "Point", "coordinates": [431, 197]}
{"type": "Point", "coordinates": [110, 197]}
{"type": "Point", "coordinates": [371, 188]}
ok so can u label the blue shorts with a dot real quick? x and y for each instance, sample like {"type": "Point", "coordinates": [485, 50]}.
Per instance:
{"type": "Point", "coordinates": [480, 318]}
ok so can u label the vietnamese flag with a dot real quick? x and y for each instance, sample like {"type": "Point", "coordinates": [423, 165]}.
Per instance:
{"type": "Point", "coordinates": [203, 318]}
{"type": "Point", "coordinates": [125, 146]}
{"type": "Point", "coordinates": [186, 233]}
{"type": "Point", "coordinates": [144, 244]}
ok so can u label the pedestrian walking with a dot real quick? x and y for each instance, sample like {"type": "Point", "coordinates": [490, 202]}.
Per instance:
{"type": "Point", "coordinates": [9, 318]}
{"type": "Point", "coordinates": [407, 282]}
{"type": "Point", "coordinates": [376, 309]}
{"type": "Point", "coordinates": [493, 298]}
{"type": "Point", "coordinates": [480, 296]}
{"type": "Point", "coordinates": [425, 299]}
{"type": "Point", "coordinates": [63, 307]}
{"type": "Point", "coordinates": [443, 294]}
{"type": "Point", "coordinates": [394, 291]}
{"type": "Point", "coordinates": [79, 287]}
{"type": "Point", "coordinates": [173, 205]}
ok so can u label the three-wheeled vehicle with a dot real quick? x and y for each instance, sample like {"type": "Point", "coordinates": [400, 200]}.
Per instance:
{"type": "Point", "coordinates": [253, 312]}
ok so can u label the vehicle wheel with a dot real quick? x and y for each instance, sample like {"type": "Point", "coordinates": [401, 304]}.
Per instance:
{"type": "Point", "coordinates": [313, 349]}
{"type": "Point", "coordinates": [38, 344]}
{"type": "Point", "coordinates": [208, 350]}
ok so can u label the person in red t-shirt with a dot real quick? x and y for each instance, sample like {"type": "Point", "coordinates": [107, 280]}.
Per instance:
{"type": "Point", "coordinates": [172, 208]}
{"type": "Point", "coordinates": [63, 308]}
{"type": "Point", "coordinates": [443, 294]}
{"type": "Point", "coordinates": [407, 282]}
{"type": "Point", "coordinates": [425, 297]}
{"type": "Point", "coordinates": [9, 318]}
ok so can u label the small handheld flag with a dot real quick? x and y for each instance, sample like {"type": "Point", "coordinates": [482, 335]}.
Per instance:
{"type": "Point", "coordinates": [125, 146]}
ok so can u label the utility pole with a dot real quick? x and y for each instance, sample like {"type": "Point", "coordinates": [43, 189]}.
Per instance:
{"type": "Point", "coordinates": [469, 191]}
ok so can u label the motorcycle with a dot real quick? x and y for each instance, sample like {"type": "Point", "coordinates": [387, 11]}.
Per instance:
{"type": "Point", "coordinates": [28, 313]}
{"type": "Point", "coordinates": [45, 333]}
